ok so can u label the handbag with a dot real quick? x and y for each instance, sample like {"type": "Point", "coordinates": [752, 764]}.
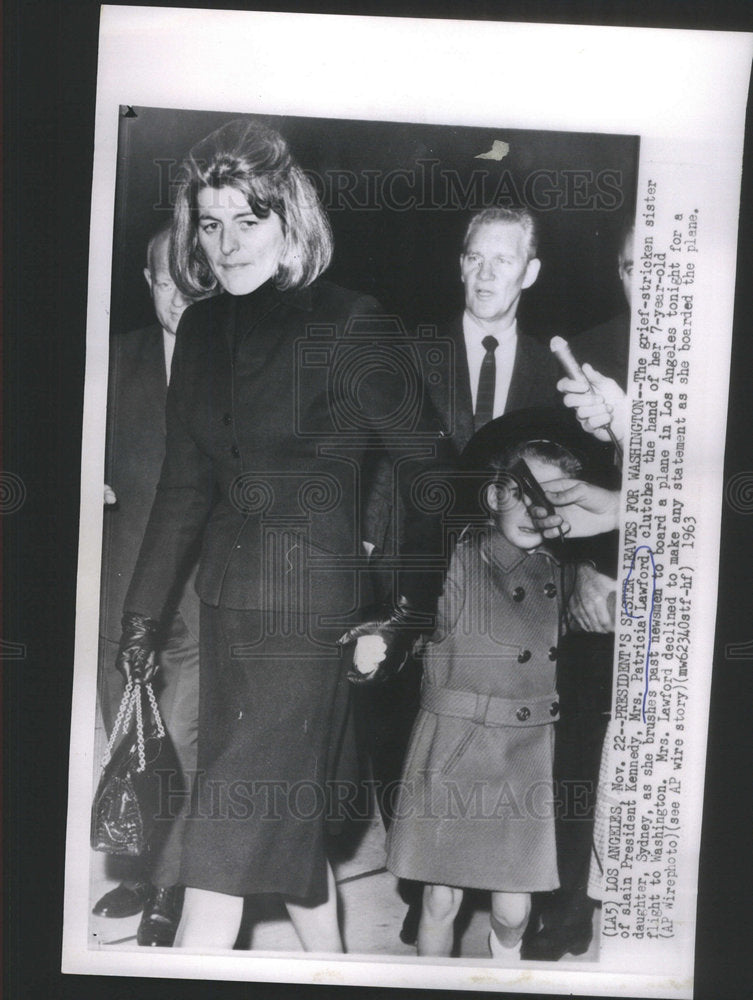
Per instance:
{"type": "Point", "coordinates": [138, 781]}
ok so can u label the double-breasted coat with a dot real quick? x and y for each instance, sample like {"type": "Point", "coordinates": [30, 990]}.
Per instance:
{"type": "Point", "coordinates": [475, 805]}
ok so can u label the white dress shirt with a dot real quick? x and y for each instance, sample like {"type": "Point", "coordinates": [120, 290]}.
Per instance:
{"type": "Point", "coordinates": [168, 342]}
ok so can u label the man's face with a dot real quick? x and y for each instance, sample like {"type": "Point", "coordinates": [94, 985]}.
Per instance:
{"type": "Point", "coordinates": [495, 269]}
{"type": "Point", "coordinates": [169, 302]}
{"type": "Point", "coordinates": [625, 265]}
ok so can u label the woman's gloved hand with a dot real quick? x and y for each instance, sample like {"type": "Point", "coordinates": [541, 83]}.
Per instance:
{"type": "Point", "coordinates": [138, 640]}
{"type": "Point", "coordinates": [383, 644]}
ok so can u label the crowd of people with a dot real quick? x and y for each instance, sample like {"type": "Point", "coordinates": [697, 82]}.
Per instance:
{"type": "Point", "coordinates": [295, 569]}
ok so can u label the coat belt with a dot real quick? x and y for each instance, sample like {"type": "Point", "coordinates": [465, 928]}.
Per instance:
{"type": "Point", "coordinates": [489, 710]}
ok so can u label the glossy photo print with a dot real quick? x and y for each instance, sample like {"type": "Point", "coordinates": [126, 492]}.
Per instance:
{"type": "Point", "coordinates": [397, 577]}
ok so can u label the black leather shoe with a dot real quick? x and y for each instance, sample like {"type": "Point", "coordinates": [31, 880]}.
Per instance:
{"type": "Point", "coordinates": [161, 917]}
{"type": "Point", "coordinates": [123, 901]}
{"type": "Point", "coordinates": [550, 944]}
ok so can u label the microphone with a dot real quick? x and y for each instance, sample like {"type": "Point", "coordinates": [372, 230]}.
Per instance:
{"type": "Point", "coordinates": [561, 349]}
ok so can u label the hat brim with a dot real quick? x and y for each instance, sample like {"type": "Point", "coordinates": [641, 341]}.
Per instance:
{"type": "Point", "coordinates": [556, 424]}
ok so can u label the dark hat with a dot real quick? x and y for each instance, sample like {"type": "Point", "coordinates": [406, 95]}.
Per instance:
{"type": "Point", "coordinates": [556, 424]}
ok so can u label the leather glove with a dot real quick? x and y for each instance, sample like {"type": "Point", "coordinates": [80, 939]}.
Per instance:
{"type": "Point", "coordinates": [135, 659]}
{"type": "Point", "coordinates": [398, 629]}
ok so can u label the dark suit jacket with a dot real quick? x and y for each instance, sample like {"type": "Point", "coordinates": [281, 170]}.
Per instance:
{"type": "Point", "coordinates": [135, 448]}
{"type": "Point", "coordinates": [606, 347]}
{"type": "Point", "coordinates": [534, 379]}
{"type": "Point", "coordinates": [448, 389]}
{"type": "Point", "coordinates": [273, 400]}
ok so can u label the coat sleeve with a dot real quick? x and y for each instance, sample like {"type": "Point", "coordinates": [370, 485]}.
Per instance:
{"type": "Point", "coordinates": [454, 591]}
{"type": "Point", "coordinates": [391, 389]}
{"type": "Point", "coordinates": [181, 506]}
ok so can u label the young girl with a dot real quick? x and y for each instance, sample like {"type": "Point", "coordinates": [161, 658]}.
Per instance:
{"type": "Point", "coordinates": [475, 808]}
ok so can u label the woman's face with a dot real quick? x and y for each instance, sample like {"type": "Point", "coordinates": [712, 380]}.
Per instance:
{"type": "Point", "coordinates": [243, 250]}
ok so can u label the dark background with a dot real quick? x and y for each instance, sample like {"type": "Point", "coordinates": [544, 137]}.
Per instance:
{"type": "Point", "coordinates": [48, 107]}
{"type": "Point", "coordinates": [408, 256]}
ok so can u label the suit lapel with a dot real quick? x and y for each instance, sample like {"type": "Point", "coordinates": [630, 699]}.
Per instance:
{"type": "Point", "coordinates": [523, 378]}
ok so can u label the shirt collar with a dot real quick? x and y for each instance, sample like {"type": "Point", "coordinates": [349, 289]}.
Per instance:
{"type": "Point", "coordinates": [474, 332]}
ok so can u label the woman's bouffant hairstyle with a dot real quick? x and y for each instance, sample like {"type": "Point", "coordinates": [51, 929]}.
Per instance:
{"type": "Point", "coordinates": [249, 155]}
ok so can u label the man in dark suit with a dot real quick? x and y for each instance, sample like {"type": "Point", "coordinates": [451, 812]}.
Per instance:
{"type": "Point", "coordinates": [139, 373]}
{"type": "Point", "coordinates": [498, 367]}
{"type": "Point", "coordinates": [490, 367]}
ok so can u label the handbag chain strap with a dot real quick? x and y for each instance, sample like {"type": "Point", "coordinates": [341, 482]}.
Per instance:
{"type": "Point", "coordinates": [132, 700]}
{"type": "Point", "coordinates": [155, 710]}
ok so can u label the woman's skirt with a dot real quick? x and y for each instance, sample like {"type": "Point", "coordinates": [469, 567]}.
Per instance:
{"type": "Point", "coordinates": [274, 748]}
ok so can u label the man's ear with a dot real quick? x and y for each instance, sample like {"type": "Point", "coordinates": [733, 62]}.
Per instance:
{"type": "Point", "coordinates": [148, 276]}
{"type": "Point", "coordinates": [461, 265]}
{"type": "Point", "coordinates": [532, 272]}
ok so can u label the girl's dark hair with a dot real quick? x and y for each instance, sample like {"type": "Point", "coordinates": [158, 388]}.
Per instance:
{"type": "Point", "coordinates": [249, 155]}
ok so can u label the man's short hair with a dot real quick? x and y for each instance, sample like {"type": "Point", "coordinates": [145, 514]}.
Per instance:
{"type": "Point", "coordinates": [512, 216]}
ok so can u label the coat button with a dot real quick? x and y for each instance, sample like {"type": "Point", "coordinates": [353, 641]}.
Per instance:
{"type": "Point", "coordinates": [550, 590]}
{"type": "Point", "coordinates": [227, 419]}
{"type": "Point", "coordinates": [525, 656]}
{"type": "Point", "coordinates": [554, 710]}
{"type": "Point", "coordinates": [234, 451]}
{"type": "Point", "coordinates": [523, 713]}
{"type": "Point", "coordinates": [518, 594]}
{"type": "Point", "coordinates": [552, 652]}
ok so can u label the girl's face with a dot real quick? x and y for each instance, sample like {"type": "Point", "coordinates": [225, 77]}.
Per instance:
{"type": "Point", "coordinates": [509, 507]}
{"type": "Point", "coordinates": [242, 249]}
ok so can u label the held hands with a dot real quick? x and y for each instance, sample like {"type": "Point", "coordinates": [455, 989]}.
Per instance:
{"type": "Point", "coordinates": [597, 405]}
{"type": "Point", "coordinates": [383, 644]}
{"type": "Point", "coordinates": [135, 659]}
{"type": "Point", "coordinates": [593, 600]}
{"type": "Point", "coordinates": [369, 652]}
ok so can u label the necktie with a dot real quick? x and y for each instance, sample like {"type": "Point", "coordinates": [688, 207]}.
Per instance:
{"type": "Point", "coordinates": [486, 381]}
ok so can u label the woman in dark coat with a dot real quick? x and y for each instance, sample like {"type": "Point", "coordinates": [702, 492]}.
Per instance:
{"type": "Point", "coordinates": [277, 386]}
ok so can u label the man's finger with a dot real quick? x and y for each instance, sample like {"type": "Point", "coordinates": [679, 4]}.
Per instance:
{"type": "Point", "coordinates": [579, 386]}
{"type": "Point", "coordinates": [562, 496]}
